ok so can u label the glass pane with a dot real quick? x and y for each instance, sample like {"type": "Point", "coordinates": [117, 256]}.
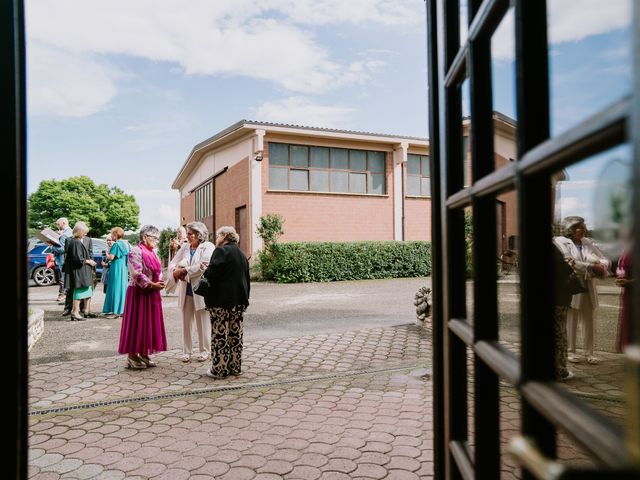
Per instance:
{"type": "Point", "coordinates": [376, 183]}
{"type": "Point", "coordinates": [339, 181]}
{"type": "Point", "coordinates": [376, 162]}
{"type": "Point", "coordinates": [592, 219]}
{"type": "Point", "coordinates": [279, 178]}
{"type": "Point", "coordinates": [299, 156]}
{"type": "Point", "coordinates": [340, 158]}
{"type": "Point", "coordinates": [468, 240]}
{"type": "Point", "coordinates": [510, 427]}
{"type": "Point", "coordinates": [413, 185]}
{"type": "Point", "coordinates": [466, 134]}
{"type": "Point", "coordinates": [424, 162]}
{"type": "Point", "coordinates": [464, 21]}
{"type": "Point", "coordinates": [319, 157]}
{"type": "Point", "coordinates": [426, 186]}
{"type": "Point", "coordinates": [503, 67]}
{"type": "Point", "coordinates": [507, 261]}
{"type": "Point", "coordinates": [358, 160]}
{"type": "Point", "coordinates": [358, 182]}
{"type": "Point", "coordinates": [319, 180]}
{"type": "Point", "coordinates": [299, 179]}
{"type": "Point", "coordinates": [278, 154]}
{"type": "Point", "coordinates": [413, 164]}
{"type": "Point", "coordinates": [590, 58]}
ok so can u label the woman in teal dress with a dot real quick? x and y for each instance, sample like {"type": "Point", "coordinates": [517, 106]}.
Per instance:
{"type": "Point", "coordinates": [118, 275]}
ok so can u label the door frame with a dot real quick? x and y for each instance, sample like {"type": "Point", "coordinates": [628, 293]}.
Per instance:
{"type": "Point", "coordinates": [546, 408]}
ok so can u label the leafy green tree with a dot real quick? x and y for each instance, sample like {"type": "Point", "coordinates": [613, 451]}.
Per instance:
{"type": "Point", "coordinates": [163, 244]}
{"type": "Point", "coordinates": [78, 198]}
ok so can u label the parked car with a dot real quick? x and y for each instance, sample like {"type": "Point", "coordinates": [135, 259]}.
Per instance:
{"type": "Point", "coordinates": [43, 276]}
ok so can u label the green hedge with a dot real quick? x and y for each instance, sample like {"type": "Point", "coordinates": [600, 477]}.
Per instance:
{"type": "Point", "coordinates": [328, 261]}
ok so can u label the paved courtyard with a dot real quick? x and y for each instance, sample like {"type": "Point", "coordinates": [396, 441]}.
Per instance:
{"type": "Point", "coordinates": [349, 402]}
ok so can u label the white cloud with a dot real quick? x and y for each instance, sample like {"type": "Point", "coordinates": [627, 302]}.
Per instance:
{"type": "Point", "coordinates": [571, 21]}
{"type": "Point", "coordinates": [568, 22]}
{"type": "Point", "coordinates": [302, 111]}
{"type": "Point", "coordinates": [261, 40]}
{"type": "Point", "coordinates": [67, 84]}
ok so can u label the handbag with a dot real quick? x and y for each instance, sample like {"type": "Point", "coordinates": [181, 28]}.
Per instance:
{"type": "Point", "coordinates": [203, 287]}
{"type": "Point", "coordinates": [576, 284]}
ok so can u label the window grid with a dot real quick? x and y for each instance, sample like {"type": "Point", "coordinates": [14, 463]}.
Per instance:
{"type": "Point", "coordinates": [204, 204]}
{"type": "Point", "coordinates": [418, 175]}
{"type": "Point", "coordinates": [324, 169]}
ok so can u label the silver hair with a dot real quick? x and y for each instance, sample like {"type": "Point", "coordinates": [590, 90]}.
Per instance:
{"type": "Point", "coordinates": [62, 220]}
{"type": "Point", "coordinates": [229, 233]}
{"type": "Point", "coordinates": [200, 229]}
{"type": "Point", "coordinates": [80, 228]}
{"type": "Point", "coordinates": [149, 229]}
{"type": "Point", "coordinates": [569, 224]}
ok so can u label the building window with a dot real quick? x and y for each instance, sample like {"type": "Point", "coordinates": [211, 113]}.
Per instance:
{"type": "Point", "coordinates": [418, 176]}
{"type": "Point", "coordinates": [204, 201]}
{"type": "Point", "coordinates": [322, 169]}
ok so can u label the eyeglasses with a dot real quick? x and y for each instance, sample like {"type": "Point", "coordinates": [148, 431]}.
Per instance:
{"type": "Point", "coordinates": [153, 237]}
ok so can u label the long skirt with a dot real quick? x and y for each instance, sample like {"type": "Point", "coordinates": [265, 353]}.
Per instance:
{"type": "Point", "coordinates": [142, 329]}
{"type": "Point", "coordinates": [226, 340]}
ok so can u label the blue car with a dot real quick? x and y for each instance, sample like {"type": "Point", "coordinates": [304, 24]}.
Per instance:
{"type": "Point", "coordinates": [43, 276]}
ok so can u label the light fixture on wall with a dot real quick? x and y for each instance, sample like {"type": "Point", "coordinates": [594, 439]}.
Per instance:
{"type": "Point", "coordinates": [258, 156]}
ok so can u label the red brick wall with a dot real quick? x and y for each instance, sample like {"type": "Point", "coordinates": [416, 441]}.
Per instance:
{"type": "Point", "coordinates": [322, 217]}
{"type": "Point", "coordinates": [417, 218]}
{"type": "Point", "coordinates": [187, 208]}
{"type": "Point", "coordinates": [232, 191]}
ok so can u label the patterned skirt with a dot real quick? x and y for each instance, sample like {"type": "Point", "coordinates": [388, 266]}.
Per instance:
{"type": "Point", "coordinates": [226, 340]}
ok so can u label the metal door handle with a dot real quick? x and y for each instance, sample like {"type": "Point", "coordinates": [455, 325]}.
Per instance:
{"type": "Point", "coordinates": [527, 454]}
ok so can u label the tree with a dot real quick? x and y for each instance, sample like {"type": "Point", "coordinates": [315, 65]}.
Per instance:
{"type": "Point", "coordinates": [163, 244]}
{"type": "Point", "coordinates": [269, 228]}
{"type": "Point", "coordinates": [78, 198]}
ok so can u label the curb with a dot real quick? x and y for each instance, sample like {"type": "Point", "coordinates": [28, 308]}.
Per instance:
{"type": "Point", "coordinates": [35, 327]}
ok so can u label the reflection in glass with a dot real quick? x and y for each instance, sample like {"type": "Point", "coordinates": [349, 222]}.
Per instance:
{"type": "Point", "coordinates": [589, 58]}
{"type": "Point", "coordinates": [503, 69]}
{"type": "Point", "coordinates": [507, 261]}
{"type": "Point", "coordinates": [469, 272]}
{"type": "Point", "coordinates": [466, 133]}
{"type": "Point", "coordinates": [591, 233]}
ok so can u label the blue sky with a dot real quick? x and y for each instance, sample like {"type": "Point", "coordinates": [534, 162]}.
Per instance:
{"type": "Point", "coordinates": [121, 90]}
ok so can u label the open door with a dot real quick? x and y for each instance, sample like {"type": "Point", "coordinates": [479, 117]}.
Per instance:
{"type": "Point", "coordinates": [501, 409]}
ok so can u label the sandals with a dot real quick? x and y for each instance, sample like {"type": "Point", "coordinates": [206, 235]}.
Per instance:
{"type": "Point", "coordinates": [203, 357]}
{"type": "Point", "coordinates": [186, 358]}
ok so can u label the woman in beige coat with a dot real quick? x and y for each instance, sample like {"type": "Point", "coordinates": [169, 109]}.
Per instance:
{"type": "Point", "coordinates": [184, 272]}
{"type": "Point", "coordinates": [590, 263]}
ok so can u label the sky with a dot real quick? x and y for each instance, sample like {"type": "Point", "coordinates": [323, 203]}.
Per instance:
{"type": "Point", "coordinates": [121, 90]}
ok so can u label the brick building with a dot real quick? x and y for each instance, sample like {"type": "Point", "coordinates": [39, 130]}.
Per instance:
{"type": "Point", "coordinates": [329, 185]}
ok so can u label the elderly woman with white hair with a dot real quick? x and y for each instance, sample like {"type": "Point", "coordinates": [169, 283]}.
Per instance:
{"type": "Point", "coordinates": [590, 263]}
{"type": "Point", "coordinates": [78, 268]}
{"type": "Point", "coordinates": [227, 298]}
{"type": "Point", "coordinates": [184, 270]}
{"type": "Point", "coordinates": [142, 332]}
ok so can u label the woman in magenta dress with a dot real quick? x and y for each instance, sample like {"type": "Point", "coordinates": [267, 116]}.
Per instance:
{"type": "Point", "coordinates": [624, 280]}
{"type": "Point", "coordinates": [142, 330]}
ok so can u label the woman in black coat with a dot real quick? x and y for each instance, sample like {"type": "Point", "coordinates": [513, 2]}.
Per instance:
{"type": "Point", "coordinates": [78, 270]}
{"type": "Point", "coordinates": [227, 273]}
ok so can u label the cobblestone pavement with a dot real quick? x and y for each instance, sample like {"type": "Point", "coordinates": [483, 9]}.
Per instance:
{"type": "Point", "coordinates": [341, 405]}
{"type": "Point", "coordinates": [347, 405]}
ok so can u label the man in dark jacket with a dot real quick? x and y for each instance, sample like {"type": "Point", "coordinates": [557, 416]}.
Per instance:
{"type": "Point", "coordinates": [228, 275]}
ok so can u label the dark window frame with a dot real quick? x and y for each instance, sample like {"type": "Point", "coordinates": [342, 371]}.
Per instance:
{"type": "Point", "coordinates": [330, 169]}
{"type": "Point", "coordinates": [421, 175]}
